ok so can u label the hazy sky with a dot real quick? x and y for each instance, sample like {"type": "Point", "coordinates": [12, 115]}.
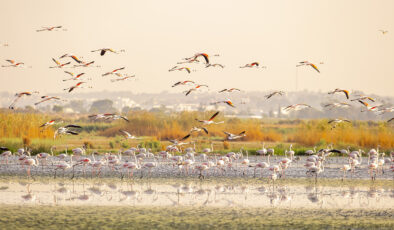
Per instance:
{"type": "Point", "coordinates": [156, 34]}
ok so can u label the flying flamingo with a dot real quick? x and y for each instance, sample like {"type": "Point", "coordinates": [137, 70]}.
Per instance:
{"type": "Point", "coordinates": [187, 69]}
{"type": "Point", "coordinates": [47, 98]}
{"type": "Point", "coordinates": [183, 83]}
{"type": "Point", "coordinates": [187, 92]}
{"type": "Point", "coordinates": [18, 96]}
{"type": "Point", "coordinates": [75, 58]}
{"type": "Point", "coordinates": [231, 137]}
{"type": "Point", "coordinates": [346, 92]}
{"type": "Point", "coordinates": [281, 93]}
{"type": "Point", "coordinates": [251, 65]}
{"type": "Point", "coordinates": [13, 63]}
{"type": "Point", "coordinates": [214, 65]}
{"type": "Point", "coordinates": [296, 107]}
{"type": "Point", "coordinates": [49, 28]}
{"type": "Point", "coordinates": [73, 78]}
{"type": "Point", "coordinates": [58, 64]}
{"type": "Point", "coordinates": [303, 63]}
{"type": "Point", "coordinates": [229, 90]}
{"type": "Point", "coordinates": [210, 121]}
{"type": "Point", "coordinates": [123, 78]}
{"type": "Point", "coordinates": [228, 102]}
{"type": "Point", "coordinates": [113, 71]}
{"type": "Point", "coordinates": [75, 86]}
{"type": "Point", "coordinates": [105, 50]}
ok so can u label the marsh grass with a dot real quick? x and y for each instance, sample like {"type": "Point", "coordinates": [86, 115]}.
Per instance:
{"type": "Point", "coordinates": [98, 217]}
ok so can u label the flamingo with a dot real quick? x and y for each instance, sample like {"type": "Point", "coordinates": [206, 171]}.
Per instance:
{"type": "Point", "coordinates": [47, 98]}
{"type": "Point", "coordinates": [74, 86]}
{"type": "Point", "coordinates": [197, 87]}
{"type": "Point", "coordinates": [229, 90]}
{"type": "Point", "coordinates": [281, 93]}
{"type": "Point", "coordinates": [199, 129]}
{"type": "Point", "coordinates": [74, 78]}
{"type": "Point", "coordinates": [30, 162]}
{"type": "Point", "coordinates": [262, 165]}
{"type": "Point", "coordinates": [210, 120]}
{"type": "Point", "coordinates": [346, 92]}
{"type": "Point", "coordinates": [183, 83]}
{"type": "Point", "coordinates": [66, 130]}
{"type": "Point", "coordinates": [296, 107]}
{"type": "Point", "coordinates": [6, 155]}
{"type": "Point", "coordinates": [75, 58]}
{"type": "Point", "coordinates": [231, 137]}
{"type": "Point", "coordinates": [335, 122]}
{"type": "Point", "coordinates": [228, 102]}
{"type": "Point", "coordinates": [127, 135]}
{"type": "Point", "coordinates": [303, 63]}
{"type": "Point", "coordinates": [123, 78]}
{"type": "Point", "coordinates": [245, 162]}
{"type": "Point", "coordinates": [253, 64]}
{"type": "Point", "coordinates": [58, 64]}
{"type": "Point", "coordinates": [64, 166]}
{"type": "Point", "coordinates": [18, 96]}
{"type": "Point", "coordinates": [49, 28]}
{"type": "Point", "coordinates": [105, 50]}
{"type": "Point", "coordinates": [113, 71]}
{"type": "Point", "coordinates": [214, 65]}
{"type": "Point", "coordinates": [13, 63]}
{"type": "Point", "coordinates": [337, 105]}
{"type": "Point", "coordinates": [187, 69]}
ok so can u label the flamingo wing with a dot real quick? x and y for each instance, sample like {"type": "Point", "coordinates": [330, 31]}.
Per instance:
{"type": "Point", "coordinates": [213, 116]}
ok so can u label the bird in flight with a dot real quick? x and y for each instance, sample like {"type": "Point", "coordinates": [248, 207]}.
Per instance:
{"type": "Point", "coordinates": [74, 78]}
{"type": "Point", "coordinates": [180, 69]}
{"type": "Point", "coordinates": [58, 64]}
{"type": "Point", "coordinates": [75, 86]}
{"type": "Point", "coordinates": [68, 129]}
{"type": "Point", "coordinates": [183, 83]}
{"type": "Point", "coordinates": [228, 102]}
{"type": "Point", "coordinates": [251, 65]}
{"type": "Point", "coordinates": [337, 105]}
{"type": "Point", "coordinates": [113, 71]}
{"type": "Point", "coordinates": [179, 142]}
{"type": "Point", "coordinates": [107, 116]}
{"type": "Point", "coordinates": [47, 98]}
{"type": "Point", "coordinates": [303, 63]}
{"type": "Point", "coordinates": [390, 120]}
{"type": "Point", "coordinates": [231, 137]}
{"type": "Point", "coordinates": [229, 90]}
{"type": "Point", "coordinates": [335, 122]}
{"type": "Point", "coordinates": [364, 98]}
{"type": "Point", "coordinates": [296, 107]}
{"type": "Point", "coordinates": [13, 63]}
{"type": "Point", "coordinates": [210, 121]}
{"type": "Point", "coordinates": [49, 123]}
{"type": "Point", "coordinates": [194, 58]}
{"type": "Point", "coordinates": [77, 60]}
{"type": "Point", "coordinates": [369, 108]}
{"type": "Point", "coordinates": [199, 129]}
{"type": "Point", "coordinates": [281, 93]}
{"type": "Point", "coordinates": [214, 65]}
{"type": "Point", "coordinates": [18, 96]}
{"type": "Point", "coordinates": [340, 91]}
{"type": "Point", "coordinates": [127, 135]}
{"type": "Point", "coordinates": [105, 50]}
{"type": "Point", "coordinates": [187, 92]}
{"type": "Point", "coordinates": [85, 64]}
{"type": "Point", "coordinates": [123, 78]}
{"type": "Point", "coordinates": [50, 28]}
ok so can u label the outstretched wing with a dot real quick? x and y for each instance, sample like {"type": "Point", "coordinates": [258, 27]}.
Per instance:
{"type": "Point", "coordinates": [205, 130]}
{"type": "Point", "coordinates": [185, 137]}
{"type": "Point", "coordinates": [73, 126]}
{"type": "Point", "coordinates": [315, 67]}
{"type": "Point", "coordinates": [213, 116]}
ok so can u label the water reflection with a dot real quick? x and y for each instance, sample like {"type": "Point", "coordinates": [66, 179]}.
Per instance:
{"type": "Point", "coordinates": [195, 194]}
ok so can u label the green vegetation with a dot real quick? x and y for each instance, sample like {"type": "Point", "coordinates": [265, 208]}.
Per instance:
{"type": "Point", "coordinates": [101, 217]}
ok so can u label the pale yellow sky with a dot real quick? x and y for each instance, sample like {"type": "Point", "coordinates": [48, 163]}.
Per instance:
{"type": "Point", "coordinates": [156, 34]}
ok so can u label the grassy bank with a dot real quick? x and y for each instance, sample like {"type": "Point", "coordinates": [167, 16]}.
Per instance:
{"type": "Point", "coordinates": [92, 217]}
